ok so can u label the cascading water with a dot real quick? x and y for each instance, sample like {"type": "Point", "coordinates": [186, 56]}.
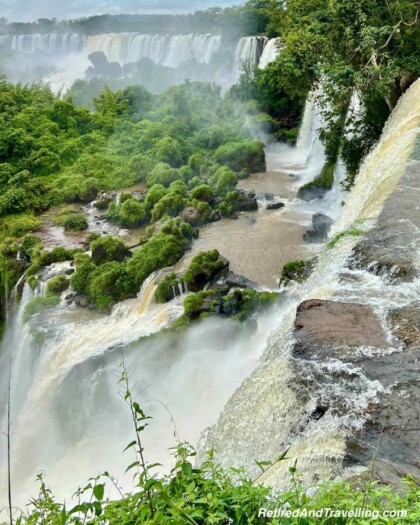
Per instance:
{"type": "Point", "coordinates": [270, 52]}
{"type": "Point", "coordinates": [268, 414]}
{"type": "Point", "coordinates": [166, 50]}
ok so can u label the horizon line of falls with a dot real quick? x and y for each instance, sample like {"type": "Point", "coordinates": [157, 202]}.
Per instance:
{"type": "Point", "coordinates": [163, 49]}
{"type": "Point", "coordinates": [271, 411]}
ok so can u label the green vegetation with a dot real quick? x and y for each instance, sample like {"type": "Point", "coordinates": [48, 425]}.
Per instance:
{"type": "Point", "coordinates": [353, 232]}
{"type": "Point", "coordinates": [322, 183]}
{"type": "Point", "coordinates": [57, 285]}
{"type": "Point", "coordinates": [298, 271]}
{"type": "Point", "coordinates": [165, 289]}
{"type": "Point", "coordinates": [39, 304]}
{"type": "Point", "coordinates": [202, 269]}
{"type": "Point", "coordinates": [205, 493]}
{"type": "Point", "coordinates": [107, 249]}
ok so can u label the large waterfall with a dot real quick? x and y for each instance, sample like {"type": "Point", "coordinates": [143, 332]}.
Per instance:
{"type": "Point", "coordinates": [164, 49]}
{"type": "Point", "coordinates": [269, 413]}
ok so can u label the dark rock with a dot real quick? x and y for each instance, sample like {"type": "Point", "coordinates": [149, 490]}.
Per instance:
{"type": "Point", "coordinates": [239, 281]}
{"type": "Point", "coordinates": [247, 204]}
{"type": "Point", "coordinates": [191, 216]}
{"type": "Point", "coordinates": [321, 225]}
{"type": "Point", "coordinates": [275, 205]}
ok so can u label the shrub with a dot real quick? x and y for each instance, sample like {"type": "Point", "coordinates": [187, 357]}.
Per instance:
{"type": "Point", "coordinates": [202, 269]}
{"type": "Point", "coordinates": [165, 289]}
{"type": "Point", "coordinates": [107, 249]}
{"type": "Point", "coordinates": [74, 222]}
{"type": "Point", "coordinates": [163, 174]}
{"type": "Point", "coordinates": [170, 205]}
{"type": "Point", "coordinates": [160, 251]}
{"type": "Point", "coordinates": [203, 193]}
{"type": "Point", "coordinates": [57, 285]}
{"type": "Point", "coordinates": [109, 282]}
{"type": "Point", "coordinates": [131, 213]}
{"type": "Point", "coordinates": [84, 271]}
{"type": "Point", "coordinates": [168, 150]}
{"type": "Point", "coordinates": [125, 196]}
{"type": "Point", "coordinates": [154, 195]}
{"type": "Point", "coordinates": [29, 242]}
{"type": "Point", "coordinates": [178, 187]}
{"type": "Point", "coordinates": [18, 226]}
{"type": "Point", "coordinates": [140, 166]}
{"type": "Point", "coordinates": [194, 304]}
{"type": "Point", "coordinates": [224, 180]}
{"type": "Point", "coordinates": [248, 154]}
{"type": "Point", "coordinates": [298, 270]}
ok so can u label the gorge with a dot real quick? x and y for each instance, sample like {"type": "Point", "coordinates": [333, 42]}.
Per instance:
{"type": "Point", "coordinates": [230, 248]}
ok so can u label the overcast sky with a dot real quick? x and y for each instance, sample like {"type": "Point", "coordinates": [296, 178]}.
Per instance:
{"type": "Point", "coordinates": [23, 10]}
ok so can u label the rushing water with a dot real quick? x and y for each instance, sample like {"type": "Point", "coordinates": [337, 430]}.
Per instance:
{"type": "Point", "coordinates": [266, 414]}
{"type": "Point", "coordinates": [67, 416]}
{"type": "Point", "coordinates": [63, 358]}
{"type": "Point", "coordinates": [68, 52]}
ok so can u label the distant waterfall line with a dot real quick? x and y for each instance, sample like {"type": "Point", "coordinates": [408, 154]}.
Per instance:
{"type": "Point", "coordinates": [163, 49]}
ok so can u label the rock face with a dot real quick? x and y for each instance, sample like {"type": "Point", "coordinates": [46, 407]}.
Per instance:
{"type": "Point", "coordinates": [247, 201]}
{"type": "Point", "coordinates": [338, 324]}
{"type": "Point", "coordinates": [344, 349]}
{"type": "Point", "coordinates": [191, 216]}
{"type": "Point", "coordinates": [321, 225]}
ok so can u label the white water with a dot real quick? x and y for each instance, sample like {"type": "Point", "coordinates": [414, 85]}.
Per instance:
{"type": "Point", "coordinates": [270, 53]}
{"type": "Point", "coordinates": [68, 52]}
{"type": "Point", "coordinates": [265, 415]}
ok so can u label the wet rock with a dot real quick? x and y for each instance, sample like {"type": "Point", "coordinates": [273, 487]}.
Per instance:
{"type": "Point", "coordinates": [215, 216]}
{"type": "Point", "coordinates": [337, 324]}
{"type": "Point", "coordinates": [103, 200]}
{"type": "Point", "coordinates": [342, 353]}
{"type": "Point", "coordinates": [191, 216]}
{"type": "Point", "coordinates": [406, 324]}
{"type": "Point", "coordinates": [239, 281]}
{"type": "Point", "coordinates": [247, 201]}
{"type": "Point", "coordinates": [83, 302]}
{"type": "Point", "coordinates": [321, 225]}
{"type": "Point", "coordinates": [275, 205]}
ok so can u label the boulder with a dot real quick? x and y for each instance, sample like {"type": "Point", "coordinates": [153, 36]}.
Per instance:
{"type": "Point", "coordinates": [191, 216]}
{"type": "Point", "coordinates": [275, 205]}
{"type": "Point", "coordinates": [321, 225]}
{"type": "Point", "coordinates": [239, 281]}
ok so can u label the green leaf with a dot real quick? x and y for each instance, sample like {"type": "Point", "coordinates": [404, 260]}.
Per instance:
{"type": "Point", "coordinates": [132, 444]}
{"type": "Point", "coordinates": [133, 465]}
{"type": "Point", "coordinates": [99, 491]}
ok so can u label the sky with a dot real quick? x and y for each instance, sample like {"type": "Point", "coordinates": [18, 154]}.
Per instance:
{"type": "Point", "coordinates": [26, 10]}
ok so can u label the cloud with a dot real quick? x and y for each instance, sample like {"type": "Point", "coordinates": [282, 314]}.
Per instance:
{"type": "Point", "coordinates": [26, 10]}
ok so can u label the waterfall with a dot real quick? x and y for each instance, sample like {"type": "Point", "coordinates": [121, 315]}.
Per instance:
{"type": "Point", "coordinates": [270, 52]}
{"type": "Point", "coordinates": [163, 49]}
{"type": "Point", "coordinates": [265, 416]}
{"type": "Point", "coordinates": [46, 43]}
{"type": "Point", "coordinates": [166, 50]}
{"type": "Point", "coordinates": [249, 49]}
